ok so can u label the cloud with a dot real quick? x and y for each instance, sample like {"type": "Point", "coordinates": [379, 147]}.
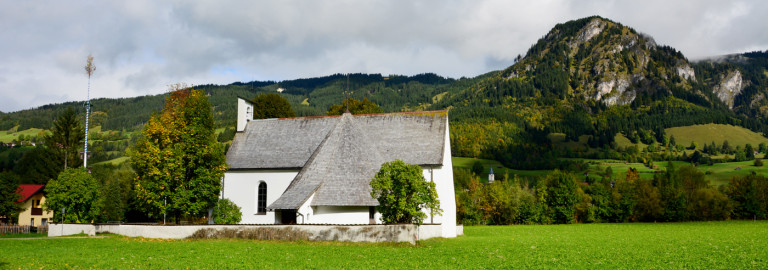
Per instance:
{"type": "Point", "coordinates": [142, 46]}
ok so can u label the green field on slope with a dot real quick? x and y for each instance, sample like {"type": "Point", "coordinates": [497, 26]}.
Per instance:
{"type": "Point", "coordinates": [7, 136]}
{"type": "Point", "coordinates": [717, 133]}
{"type": "Point", "coordinates": [698, 245]}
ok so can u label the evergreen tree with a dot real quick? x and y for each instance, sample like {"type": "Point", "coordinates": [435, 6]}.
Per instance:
{"type": "Point", "coordinates": [66, 138]}
{"type": "Point", "coordinates": [8, 197]}
{"type": "Point", "coordinates": [749, 152]}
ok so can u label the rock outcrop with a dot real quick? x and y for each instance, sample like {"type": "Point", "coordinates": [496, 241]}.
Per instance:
{"type": "Point", "coordinates": [729, 87]}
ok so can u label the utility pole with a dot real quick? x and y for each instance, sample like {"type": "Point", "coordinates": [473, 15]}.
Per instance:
{"type": "Point", "coordinates": [89, 68]}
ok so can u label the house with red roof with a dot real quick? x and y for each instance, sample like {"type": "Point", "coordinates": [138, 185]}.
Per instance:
{"type": "Point", "coordinates": [32, 199]}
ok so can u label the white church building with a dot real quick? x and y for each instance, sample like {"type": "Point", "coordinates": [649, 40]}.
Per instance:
{"type": "Point", "coordinates": [317, 170]}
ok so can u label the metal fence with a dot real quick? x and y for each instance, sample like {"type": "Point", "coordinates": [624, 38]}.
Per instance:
{"type": "Point", "coordinates": [22, 229]}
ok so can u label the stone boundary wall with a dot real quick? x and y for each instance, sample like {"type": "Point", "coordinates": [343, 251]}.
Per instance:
{"type": "Point", "coordinates": [347, 233]}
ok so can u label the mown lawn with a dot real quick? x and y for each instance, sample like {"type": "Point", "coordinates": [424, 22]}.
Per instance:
{"type": "Point", "coordinates": [699, 245]}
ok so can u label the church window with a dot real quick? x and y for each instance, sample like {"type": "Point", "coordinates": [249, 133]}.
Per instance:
{"type": "Point", "coordinates": [261, 201]}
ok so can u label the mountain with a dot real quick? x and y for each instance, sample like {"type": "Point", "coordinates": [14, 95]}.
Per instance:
{"type": "Point", "coordinates": [308, 97]}
{"type": "Point", "coordinates": [590, 77]}
{"type": "Point", "coordinates": [597, 59]}
{"type": "Point", "coordinates": [740, 80]}
{"type": "Point", "coordinates": [599, 78]}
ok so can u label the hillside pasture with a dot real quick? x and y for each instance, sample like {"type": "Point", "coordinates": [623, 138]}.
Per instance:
{"type": "Point", "coordinates": [498, 170]}
{"type": "Point", "coordinates": [698, 245]}
{"type": "Point", "coordinates": [701, 134]}
{"type": "Point", "coordinates": [717, 174]}
{"type": "Point", "coordinates": [7, 136]}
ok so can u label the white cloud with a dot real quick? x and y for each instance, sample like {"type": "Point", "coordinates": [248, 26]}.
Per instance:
{"type": "Point", "coordinates": [142, 46]}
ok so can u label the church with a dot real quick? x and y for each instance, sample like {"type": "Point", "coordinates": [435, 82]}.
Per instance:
{"type": "Point", "coordinates": [317, 170]}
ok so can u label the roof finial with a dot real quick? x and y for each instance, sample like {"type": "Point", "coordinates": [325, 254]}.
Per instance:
{"type": "Point", "coordinates": [346, 95]}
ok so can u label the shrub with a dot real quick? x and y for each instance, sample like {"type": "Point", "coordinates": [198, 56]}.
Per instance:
{"type": "Point", "coordinates": [403, 192]}
{"type": "Point", "coordinates": [226, 212]}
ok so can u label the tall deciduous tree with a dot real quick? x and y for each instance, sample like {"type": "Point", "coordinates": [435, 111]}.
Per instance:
{"type": "Point", "coordinates": [178, 163]}
{"type": "Point", "coordinates": [271, 105]}
{"type": "Point", "coordinates": [403, 192]}
{"type": "Point", "coordinates": [355, 107]}
{"type": "Point", "coordinates": [78, 192]}
{"type": "Point", "coordinates": [561, 196]}
{"type": "Point", "coordinates": [66, 136]}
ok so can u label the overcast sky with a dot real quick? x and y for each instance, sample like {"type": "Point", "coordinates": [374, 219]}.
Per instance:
{"type": "Point", "coordinates": [142, 46]}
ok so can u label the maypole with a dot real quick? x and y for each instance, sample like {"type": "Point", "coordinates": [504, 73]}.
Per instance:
{"type": "Point", "coordinates": [89, 68]}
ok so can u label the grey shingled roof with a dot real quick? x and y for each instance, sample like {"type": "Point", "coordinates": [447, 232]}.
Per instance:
{"type": "Point", "coordinates": [338, 173]}
{"type": "Point", "coordinates": [278, 143]}
{"type": "Point", "coordinates": [344, 152]}
{"type": "Point", "coordinates": [288, 143]}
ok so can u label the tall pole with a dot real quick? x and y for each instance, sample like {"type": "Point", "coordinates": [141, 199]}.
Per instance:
{"type": "Point", "coordinates": [89, 68]}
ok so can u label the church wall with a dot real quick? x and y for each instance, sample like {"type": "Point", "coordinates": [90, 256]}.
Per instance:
{"type": "Point", "coordinates": [443, 178]}
{"type": "Point", "coordinates": [241, 187]}
{"type": "Point", "coordinates": [338, 215]}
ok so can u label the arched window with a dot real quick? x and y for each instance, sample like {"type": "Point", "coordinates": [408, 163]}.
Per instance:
{"type": "Point", "coordinates": [261, 199]}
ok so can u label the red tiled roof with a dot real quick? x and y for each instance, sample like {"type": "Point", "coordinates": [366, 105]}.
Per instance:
{"type": "Point", "coordinates": [27, 191]}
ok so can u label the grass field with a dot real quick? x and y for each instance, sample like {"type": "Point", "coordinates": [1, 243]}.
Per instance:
{"type": "Point", "coordinates": [699, 245]}
{"type": "Point", "coordinates": [719, 173]}
{"type": "Point", "coordinates": [498, 169]}
{"type": "Point", "coordinates": [708, 133]}
{"type": "Point", "coordinates": [6, 136]}
{"type": "Point", "coordinates": [24, 235]}
{"type": "Point", "coordinates": [116, 161]}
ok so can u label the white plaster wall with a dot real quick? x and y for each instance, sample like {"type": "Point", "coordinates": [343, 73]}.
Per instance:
{"type": "Point", "coordinates": [244, 113]}
{"type": "Point", "coordinates": [306, 212]}
{"type": "Point", "coordinates": [241, 188]}
{"type": "Point", "coordinates": [443, 177]}
{"type": "Point", "coordinates": [364, 233]}
{"type": "Point", "coordinates": [338, 215]}
{"type": "Point", "coordinates": [429, 231]}
{"type": "Point", "coordinates": [58, 229]}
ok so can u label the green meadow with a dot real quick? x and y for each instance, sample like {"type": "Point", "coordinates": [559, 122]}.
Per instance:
{"type": "Point", "coordinates": [718, 174]}
{"type": "Point", "coordinates": [7, 136]}
{"type": "Point", "coordinates": [697, 245]}
{"type": "Point", "coordinates": [717, 133]}
{"type": "Point", "coordinates": [498, 170]}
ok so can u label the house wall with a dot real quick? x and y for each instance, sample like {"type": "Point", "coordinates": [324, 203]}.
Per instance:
{"type": "Point", "coordinates": [25, 217]}
{"type": "Point", "coordinates": [241, 187]}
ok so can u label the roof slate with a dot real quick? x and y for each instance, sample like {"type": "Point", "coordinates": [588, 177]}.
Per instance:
{"type": "Point", "coordinates": [338, 156]}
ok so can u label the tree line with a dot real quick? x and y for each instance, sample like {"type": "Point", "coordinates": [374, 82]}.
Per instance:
{"type": "Point", "coordinates": [677, 194]}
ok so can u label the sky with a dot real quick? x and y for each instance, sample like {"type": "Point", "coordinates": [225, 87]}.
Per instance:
{"type": "Point", "coordinates": [140, 47]}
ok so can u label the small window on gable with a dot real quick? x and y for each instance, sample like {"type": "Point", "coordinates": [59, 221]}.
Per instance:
{"type": "Point", "coordinates": [261, 199]}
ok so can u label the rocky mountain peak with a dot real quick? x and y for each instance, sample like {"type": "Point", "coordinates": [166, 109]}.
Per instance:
{"type": "Point", "coordinates": [602, 60]}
